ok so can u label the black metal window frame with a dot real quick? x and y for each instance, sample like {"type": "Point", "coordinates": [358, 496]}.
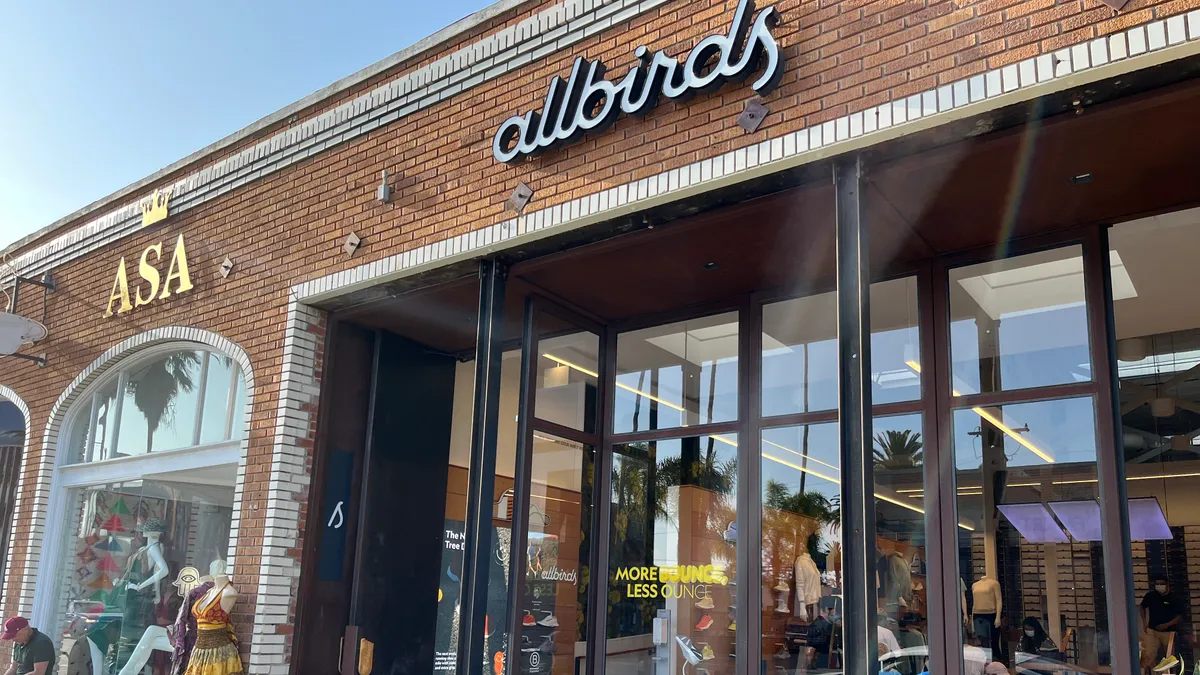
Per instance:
{"type": "Point", "coordinates": [854, 415]}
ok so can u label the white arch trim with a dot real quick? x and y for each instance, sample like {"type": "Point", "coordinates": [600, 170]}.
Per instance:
{"type": "Point", "coordinates": [5, 587]}
{"type": "Point", "coordinates": [36, 599]}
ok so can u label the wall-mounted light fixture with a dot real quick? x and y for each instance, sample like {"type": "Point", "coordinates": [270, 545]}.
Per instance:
{"type": "Point", "coordinates": [384, 193]}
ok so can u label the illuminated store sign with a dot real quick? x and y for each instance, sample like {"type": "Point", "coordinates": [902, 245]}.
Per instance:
{"type": "Point", "coordinates": [589, 102]}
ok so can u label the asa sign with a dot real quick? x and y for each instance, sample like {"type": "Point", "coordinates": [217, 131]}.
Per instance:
{"type": "Point", "coordinates": [589, 102]}
{"type": "Point", "coordinates": [152, 281]}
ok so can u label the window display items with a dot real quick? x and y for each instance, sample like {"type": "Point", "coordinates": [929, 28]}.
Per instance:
{"type": "Point", "coordinates": [204, 639]}
{"type": "Point", "coordinates": [808, 585]}
{"type": "Point", "coordinates": [155, 638]}
{"type": "Point", "coordinates": [986, 612]}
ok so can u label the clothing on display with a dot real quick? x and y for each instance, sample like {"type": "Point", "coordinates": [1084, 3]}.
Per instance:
{"type": "Point", "coordinates": [895, 577]}
{"type": "Point", "coordinates": [887, 638]}
{"type": "Point", "coordinates": [986, 596]}
{"type": "Point", "coordinates": [987, 632]}
{"type": "Point", "coordinates": [808, 584]}
{"type": "Point", "coordinates": [216, 648]}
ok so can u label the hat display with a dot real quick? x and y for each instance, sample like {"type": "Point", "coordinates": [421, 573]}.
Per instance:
{"type": "Point", "coordinates": [153, 525]}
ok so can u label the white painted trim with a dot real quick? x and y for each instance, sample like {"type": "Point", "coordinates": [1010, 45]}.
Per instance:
{"type": "Point", "coordinates": [49, 521]}
{"type": "Point", "coordinates": [6, 587]}
{"type": "Point", "coordinates": [133, 468]}
{"type": "Point", "coordinates": [295, 417]}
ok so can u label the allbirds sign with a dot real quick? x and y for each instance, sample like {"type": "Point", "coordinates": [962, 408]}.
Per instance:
{"type": "Point", "coordinates": [588, 102]}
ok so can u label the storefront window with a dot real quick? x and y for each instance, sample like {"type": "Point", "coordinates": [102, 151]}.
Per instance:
{"type": "Point", "coordinates": [898, 452]}
{"type": "Point", "coordinates": [566, 380]}
{"type": "Point", "coordinates": [134, 546]}
{"type": "Point", "coordinates": [677, 375]}
{"type": "Point", "coordinates": [171, 401]}
{"type": "Point", "coordinates": [134, 550]}
{"type": "Point", "coordinates": [801, 584]}
{"type": "Point", "coordinates": [554, 609]}
{"type": "Point", "coordinates": [1157, 317]}
{"type": "Point", "coordinates": [799, 352]}
{"type": "Point", "coordinates": [1029, 537]}
{"type": "Point", "coordinates": [672, 556]}
{"type": "Point", "coordinates": [1019, 323]}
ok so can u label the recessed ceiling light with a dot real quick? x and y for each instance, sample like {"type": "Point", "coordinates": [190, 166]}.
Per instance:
{"type": "Point", "coordinates": [1081, 179]}
{"type": "Point", "coordinates": [710, 265]}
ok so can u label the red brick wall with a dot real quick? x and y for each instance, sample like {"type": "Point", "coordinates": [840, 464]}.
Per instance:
{"type": "Point", "coordinates": [841, 57]}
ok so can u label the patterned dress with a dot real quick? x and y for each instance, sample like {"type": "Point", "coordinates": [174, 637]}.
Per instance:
{"type": "Point", "coordinates": [216, 650]}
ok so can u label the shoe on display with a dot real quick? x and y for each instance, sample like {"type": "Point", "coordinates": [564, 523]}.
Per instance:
{"type": "Point", "coordinates": [690, 653]}
{"type": "Point", "coordinates": [733, 625]}
{"type": "Point", "coordinates": [550, 621]}
{"type": "Point", "coordinates": [707, 654]}
{"type": "Point", "coordinates": [705, 622]}
{"type": "Point", "coordinates": [783, 654]}
{"type": "Point", "coordinates": [731, 533]}
{"type": "Point", "coordinates": [782, 586]}
{"type": "Point", "coordinates": [1166, 664]}
{"type": "Point", "coordinates": [528, 620]}
{"type": "Point", "coordinates": [706, 602]}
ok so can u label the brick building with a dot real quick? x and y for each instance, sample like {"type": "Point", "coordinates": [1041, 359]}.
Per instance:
{"type": "Point", "coordinates": [374, 369]}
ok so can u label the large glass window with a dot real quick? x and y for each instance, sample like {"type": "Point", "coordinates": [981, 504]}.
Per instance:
{"type": "Point", "coordinates": [554, 608]}
{"type": "Point", "coordinates": [801, 584]}
{"type": "Point", "coordinates": [133, 547]}
{"type": "Point", "coordinates": [1019, 322]}
{"type": "Point", "coordinates": [898, 454]}
{"type": "Point", "coordinates": [1157, 317]}
{"type": "Point", "coordinates": [799, 351]}
{"type": "Point", "coordinates": [677, 375]}
{"type": "Point", "coordinates": [172, 400]}
{"type": "Point", "coordinates": [672, 556]}
{"type": "Point", "coordinates": [1029, 545]}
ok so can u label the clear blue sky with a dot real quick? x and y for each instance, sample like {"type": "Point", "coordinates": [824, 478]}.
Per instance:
{"type": "Point", "coordinates": [97, 95]}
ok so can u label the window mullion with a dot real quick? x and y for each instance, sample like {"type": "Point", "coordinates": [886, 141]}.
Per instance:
{"type": "Point", "coordinates": [89, 447]}
{"type": "Point", "coordinates": [118, 406]}
{"type": "Point", "coordinates": [200, 399]}
{"type": "Point", "coordinates": [231, 398]}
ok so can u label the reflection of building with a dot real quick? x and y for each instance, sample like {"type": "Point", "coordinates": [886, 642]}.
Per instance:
{"type": "Point", "coordinates": [656, 350]}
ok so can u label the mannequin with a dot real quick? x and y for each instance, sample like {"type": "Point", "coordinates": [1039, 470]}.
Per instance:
{"type": "Point", "coordinates": [155, 637]}
{"type": "Point", "coordinates": [986, 613]}
{"type": "Point", "coordinates": [153, 552]}
{"type": "Point", "coordinates": [204, 639]}
{"type": "Point", "coordinates": [808, 586]}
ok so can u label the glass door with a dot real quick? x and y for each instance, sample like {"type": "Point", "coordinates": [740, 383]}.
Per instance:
{"type": "Point", "coordinates": [552, 536]}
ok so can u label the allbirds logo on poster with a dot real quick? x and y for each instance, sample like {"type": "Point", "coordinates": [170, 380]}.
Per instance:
{"type": "Point", "coordinates": [588, 102]}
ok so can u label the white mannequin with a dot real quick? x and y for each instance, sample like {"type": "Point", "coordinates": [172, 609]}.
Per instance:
{"type": "Point", "coordinates": [155, 637]}
{"type": "Point", "coordinates": [222, 587]}
{"type": "Point", "coordinates": [808, 585]}
{"type": "Point", "coordinates": [158, 564]}
{"type": "Point", "coordinates": [986, 594]}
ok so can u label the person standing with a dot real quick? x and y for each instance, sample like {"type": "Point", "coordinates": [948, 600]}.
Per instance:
{"type": "Point", "coordinates": [33, 652]}
{"type": "Point", "coordinates": [1161, 615]}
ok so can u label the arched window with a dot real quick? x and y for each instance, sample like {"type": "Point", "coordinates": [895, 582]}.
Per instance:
{"type": "Point", "coordinates": [143, 503]}
{"type": "Point", "coordinates": [172, 399]}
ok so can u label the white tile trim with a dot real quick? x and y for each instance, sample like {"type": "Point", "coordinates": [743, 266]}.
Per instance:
{"type": "Point", "coordinates": [8, 589]}
{"type": "Point", "coordinates": [981, 93]}
{"type": "Point", "coordinates": [295, 415]}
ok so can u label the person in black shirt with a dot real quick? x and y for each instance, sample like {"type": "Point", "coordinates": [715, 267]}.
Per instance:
{"type": "Point", "coordinates": [1161, 615]}
{"type": "Point", "coordinates": [33, 652]}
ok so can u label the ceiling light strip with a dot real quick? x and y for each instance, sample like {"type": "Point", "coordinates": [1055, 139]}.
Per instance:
{"type": "Point", "coordinates": [995, 422]}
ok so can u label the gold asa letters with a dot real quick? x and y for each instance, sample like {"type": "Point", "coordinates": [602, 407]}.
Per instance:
{"type": "Point", "coordinates": [151, 280]}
